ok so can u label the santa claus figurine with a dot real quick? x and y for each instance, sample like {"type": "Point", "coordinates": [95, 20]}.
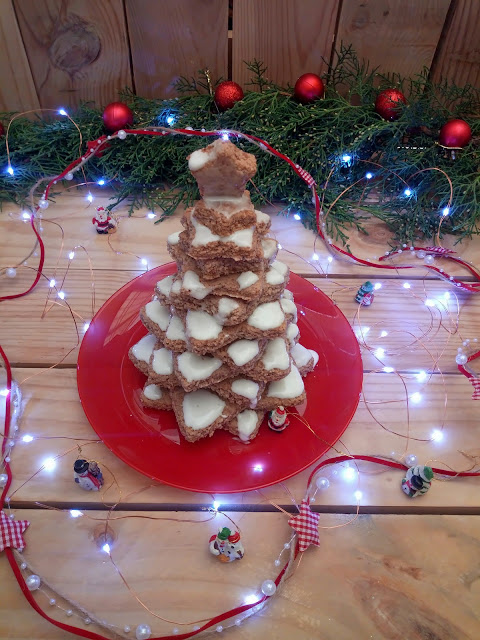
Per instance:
{"type": "Point", "coordinates": [102, 222]}
{"type": "Point", "coordinates": [277, 419]}
{"type": "Point", "coordinates": [87, 475]}
{"type": "Point", "coordinates": [226, 545]}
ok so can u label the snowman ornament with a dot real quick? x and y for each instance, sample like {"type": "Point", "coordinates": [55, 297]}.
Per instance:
{"type": "Point", "coordinates": [87, 475]}
{"type": "Point", "coordinates": [226, 545]}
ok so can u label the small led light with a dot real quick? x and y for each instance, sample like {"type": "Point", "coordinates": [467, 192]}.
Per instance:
{"type": "Point", "coordinates": [315, 256]}
{"type": "Point", "coordinates": [170, 120]}
{"type": "Point", "coordinates": [258, 467]}
{"type": "Point", "coordinates": [144, 262]}
{"type": "Point", "coordinates": [416, 397]}
{"type": "Point", "coordinates": [75, 513]}
{"type": "Point", "coordinates": [446, 295]}
{"type": "Point", "coordinates": [379, 353]}
{"type": "Point", "coordinates": [216, 504]}
{"type": "Point", "coordinates": [26, 216]}
{"type": "Point", "coordinates": [106, 548]}
{"type": "Point", "coordinates": [349, 473]}
{"type": "Point", "coordinates": [250, 599]}
{"type": "Point", "coordinates": [358, 495]}
{"type": "Point", "coordinates": [377, 285]}
{"type": "Point", "coordinates": [346, 157]}
{"type": "Point", "coordinates": [90, 197]}
{"type": "Point", "coordinates": [10, 170]}
{"type": "Point", "coordinates": [329, 259]}
{"type": "Point", "coordinates": [421, 376]}
{"type": "Point", "coordinates": [436, 435]}
{"type": "Point", "coordinates": [49, 464]}
{"type": "Point", "coordinates": [297, 216]}
{"type": "Point", "coordinates": [408, 192]}
{"type": "Point", "coordinates": [407, 285]}
{"type": "Point", "coordinates": [429, 302]}
{"type": "Point", "coordinates": [384, 334]}
{"type": "Point", "coordinates": [71, 255]}
{"type": "Point", "coordinates": [4, 392]}
{"type": "Point", "coordinates": [388, 369]}
{"type": "Point", "coordinates": [369, 175]}
{"type": "Point", "coordinates": [151, 215]}
{"type": "Point", "coordinates": [224, 135]}
{"type": "Point", "coordinates": [61, 295]}
{"type": "Point", "coordinates": [85, 326]}
{"type": "Point", "coordinates": [27, 438]}
{"type": "Point", "coordinates": [446, 211]}
{"type": "Point", "coordinates": [101, 182]}
{"type": "Point", "coordinates": [62, 112]}
{"type": "Point", "coordinates": [52, 283]}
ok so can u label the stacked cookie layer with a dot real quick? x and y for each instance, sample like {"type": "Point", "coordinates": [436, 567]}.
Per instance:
{"type": "Point", "coordinates": [222, 344]}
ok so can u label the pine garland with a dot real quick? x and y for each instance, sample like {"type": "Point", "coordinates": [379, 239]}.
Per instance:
{"type": "Point", "coordinates": [153, 173]}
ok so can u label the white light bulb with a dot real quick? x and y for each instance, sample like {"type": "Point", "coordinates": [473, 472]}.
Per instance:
{"type": "Point", "coordinates": [151, 215]}
{"type": "Point", "coordinates": [61, 295]}
{"type": "Point", "coordinates": [10, 170]}
{"type": "Point", "coordinates": [429, 302]}
{"type": "Point", "coordinates": [297, 216]}
{"type": "Point", "coordinates": [388, 369]}
{"type": "Point", "coordinates": [416, 397]}
{"type": "Point", "coordinates": [250, 599]}
{"type": "Point", "coordinates": [85, 326]}
{"type": "Point", "coordinates": [384, 334]}
{"type": "Point", "coordinates": [106, 548]}
{"type": "Point", "coordinates": [407, 285]}
{"type": "Point", "coordinates": [10, 272]}
{"type": "Point", "coordinates": [436, 435]}
{"type": "Point", "coordinates": [446, 295]}
{"type": "Point", "coordinates": [408, 192]}
{"type": "Point", "coordinates": [377, 285]}
{"type": "Point", "coordinates": [101, 182]}
{"type": "Point", "coordinates": [280, 246]}
{"type": "Point", "coordinates": [329, 259]}
{"type": "Point", "coordinates": [62, 112]}
{"type": "Point", "coordinates": [379, 353]}
{"type": "Point", "coordinates": [224, 135]}
{"type": "Point", "coordinates": [315, 256]}
{"type": "Point", "coordinates": [358, 495]}
{"type": "Point", "coordinates": [144, 262]}
{"type": "Point", "coordinates": [75, 513]}
{"type": "Point", "coordinates": [49, 464]}
{"type": "Point", "coordinates": [346, 157]}
{"type": "Point", "coordinates": [71, 255]}
{"type": "Point", "coordinates": [26, 216]}
{"type": "Point", "coordinates": [90, 197]}
{"type": "Point", "coordinates": [4, 392]}
{"type": "Point", "coordinates": [52, 283]}
{"type": "Point", "coordinates": [216, 504]}
{"type": "Point", "coordinates": [446, 211]}
{"type": "Point", "coordinates": [421, 376]}
{"type": "Point", "coordinates": [349, 474]}
{"type": "Point", "coordinates": [258, 467]}
{"type": "Point", "coordinates": [369, 176]}
{"type": "Point", "coordinates": [170, 120]}
{"type": "Point", "coordinates": [27, 438]}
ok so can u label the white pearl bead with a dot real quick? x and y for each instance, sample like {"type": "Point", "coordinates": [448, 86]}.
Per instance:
{"type": "Point", "coordinates": [33, 582]}
{"type": "Point", "coordinates": [459, 349]}
{"type": "Point", "coordinates": [43, 204]}
{"type": "Point", "coordinates": [411, 460]}
{"type": "Point", "coordinates": [429, 259]}
{"type": "Point", "coordinates": [238, 622]}
{"type": "Point", "coordinates": [286, 545]}
{"type": "Point", "coordinates": [277, 562]}
{"type": "Point", "coordinates": [23, 566]}
{"type": "Point", "coordinates": [69, 613]}
{"type": "Point", "coordinates": [143, 631]}
{"type": "Point", "coordinates": [126, 629]}
{"type": "Point", "coordinates": [466, 343]}
{"type": "Point", "coordinates": [269, 587]}
{"type": "Point", "coordinates": [175, 631]}
{"type": "Point", "coordinates": [87, 621]}
{"type": "Point", "coordinates": [420, 254]}
{"type": "Point", "coordinates": [52, 602]}
{"type": "Point", "coordinates": [11, 272]}
{"type": "Point", "coordinates": [69, 176]}
{"type": "Point", "coordinates": [219, 629]}
{"type": "Point", "coordinates": [122, 135]}
{"type": "Point", "coordinates": [322, 482]}
{"type": "Point", "coordinates": [461, 358]}
{"type": "Point", "coordinates": [3, 479]}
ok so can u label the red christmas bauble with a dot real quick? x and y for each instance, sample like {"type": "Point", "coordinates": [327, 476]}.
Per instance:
{"type": "Point", "coordinates": [117, 115]}
{"type": "Point", "coordinates": [308, 88]}
{"type": "Point", "coordinates": [227, 94]}
{"type": "Point", "coordinates": [388, 102]}
{"type": "Point", "coordinates": [455, 134]}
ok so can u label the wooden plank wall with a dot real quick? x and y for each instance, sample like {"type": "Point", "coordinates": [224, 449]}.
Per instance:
{"type": "Point", "coordinates": [60, 52]}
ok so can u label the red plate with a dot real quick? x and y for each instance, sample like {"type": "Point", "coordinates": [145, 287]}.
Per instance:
{"type": "Point", "coordinates": [149, 441]}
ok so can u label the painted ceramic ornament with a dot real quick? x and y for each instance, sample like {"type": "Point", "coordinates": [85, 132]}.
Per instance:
{"type": "Point", "coordinates": [417, 481]}
{"type": "Point", "coordinates": [365, 294]}
{"type": "Point", "coordinates": [277, 419]}
{"type": "Point", "coordinates": [87, 475]}
{"type": "Point", "coordinates": [226, 545]}
{"type": "Point", "coordinates": [103, 223]}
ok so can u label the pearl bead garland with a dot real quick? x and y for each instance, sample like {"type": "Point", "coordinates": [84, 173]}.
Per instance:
{"type": "Point", "coordinates": [268, 587]}
{"type": "Point", "coordinates": [322, 482]}
{"type": "Point", "coordinates": [122, 135]}
{"type": "Point", "coordinates": [69, 176]}
{"type": "Point", "coordinates": [33, 582]}
{"type": "Point", "coordinates": [429, 259]}
{"type": "Point", "coordinates": [3, 479]}
{"type": "Point", "coordinates": [411, 460]}
{"type": "Point", "coordinates": [143, 632]}
{"type": "Point", "coordinates": [11, 272]}
{"type": "Point", "coordinates": [43, 204]}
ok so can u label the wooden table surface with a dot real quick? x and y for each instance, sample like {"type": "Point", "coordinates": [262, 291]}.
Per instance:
{"type": "Point", "coordinates": [404, 568]}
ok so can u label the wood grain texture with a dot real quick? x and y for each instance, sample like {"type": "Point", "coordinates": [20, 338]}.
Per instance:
{"type": "Point", "coordinates": [290, 38]}
{"type": "Point", "coordinates": [458, 54]}
{"type": "Point", "coordinates": [76, 50]}
{"type": "Point", "coordinates": [367, 580]}
{"type": "Point", "coordinates": [53, 415]}
{"type": "Point", "coordinates": [395, 36]}
{"type": "Point", "coordinates": [17, 90]}
{"type": "Point", "coordinates": [176, 38]}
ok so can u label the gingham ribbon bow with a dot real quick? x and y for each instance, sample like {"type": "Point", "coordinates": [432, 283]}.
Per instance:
{"type": "Point", "coordinates": [11, 532]}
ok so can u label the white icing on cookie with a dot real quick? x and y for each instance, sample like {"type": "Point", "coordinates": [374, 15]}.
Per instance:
{"type": "Point", "coordinates": [174, 238]}
{"type": "Point", "coordinates": [159, 313]}
{"type": "Point", "coordinates": [242, 351]}
{"type": "Point", "coordinates": [289, 307]}
{"type": "Point", "coordinates": [228, 205]}
{"type": "Point", "coordinates": [143, 349]}
{"type": "Point", "coordinates": [226, 306]}
{"type": "Point", "coordinates": [268, 315]}
{"type": "Point", "coordinates": [246, 422]}
{"type": "Point", "coordinates": [176, 286]}
{"type": "Point", "coordinates": [201, 408]}
{"type": "Point", "coordinates": [287, 294]}
{"type": "Point", "coordinates": [276, 355]}
{"type": "Point", "coordinates": [274, 277]}
{"type": "Point", "coordinates": [199, 159]}
{"type": "Point", "coordinates": [191, 282]}
{"type": "Point", "coordinates": [202, 326]}
{"type": "Point", "coordinates": [292, 333]}
{"type": "Point", "coordinates": [242, 237]}
{"type": "Point", "coordinates": [175, 330]}
{"type": "Point", "coordinates": [162, 362]}
{"type": "Point", "coordinates": [315, 357]}
{"type": "Point", "coordinates": [262, 218]}
{"type": "Point", "coordinates": [287, 388]}
{"type": "Point", "coordinates": [246, 388]}
{"type": "Point", "coordinates": [269, 247]}
{"type": "Point", "coordinates": [193, 367]}
{"type": "Point", "coordinates": [281, 267]}
{"type": "Point", "coordinates": [246, 279]}
{"type": "Point", "coordinates": [203, 235]}
{"type": "Point", "coordinates": [165, 285]}
{"type": "Point", "coordinates": [301, 355]}
{"type": "Point", "coordinates": [153, 392]}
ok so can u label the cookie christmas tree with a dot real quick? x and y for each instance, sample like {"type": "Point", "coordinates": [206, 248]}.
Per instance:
{"type": "Point", "coordinates": [222, 347]}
